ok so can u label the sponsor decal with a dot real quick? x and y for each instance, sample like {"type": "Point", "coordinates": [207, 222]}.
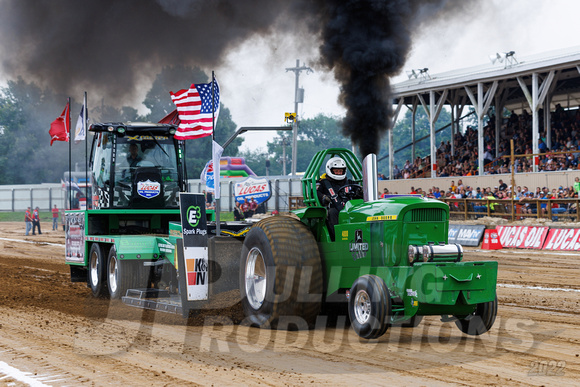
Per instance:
{"type": "Point", "coordinates": [196, 271]}
{"type": "Point", "coordinates": [523, 237]}
{"type": "Point", "coordinates": [382, 217]}
{"type": "Point", "coordinates": [411, 293]}
{"type": "Point", "coordinates": [148, 189]}
{"type": "Point", "coordinates": [141, 138]}
{"type": "Point", "coordinates": [195, 250]}
{"type": "Point", "coordinates": [345, 235]}
{"type": "Point", "coordinates": [193, 215]}
{"type": "Point", "coordinates": [358, 247]}
{"type": "Point", "coordinates": [166, 248]}
{"type": "Point", "coordinates": [465, 235]}
{"type": "Point", "coordinates": [253, 188]}
{"type": "Point", "coordinates": [75, 236]}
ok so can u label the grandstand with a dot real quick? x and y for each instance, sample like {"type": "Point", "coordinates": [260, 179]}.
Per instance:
{"type": "Point", "coordinates": [548, 137]}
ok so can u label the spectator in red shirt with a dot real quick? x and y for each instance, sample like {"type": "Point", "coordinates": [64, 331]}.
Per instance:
{"type": "Point", "coordinates": [246, 209]}
{"type": "Point", "coordinates": [28, 220]}
{"type": "Point", "coordinates": [55, 218]}
{"type": "Point", "coordinates": [253, 206]}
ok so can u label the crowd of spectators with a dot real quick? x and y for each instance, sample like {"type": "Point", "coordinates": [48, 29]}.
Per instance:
{"type": "Point", "coordinates": [527, 200]}
{"type": "Point", "coordinates": [564, 153]}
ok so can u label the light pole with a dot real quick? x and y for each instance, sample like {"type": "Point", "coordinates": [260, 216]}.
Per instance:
{"type": "Point", "coordinates": [298, 98]}
{"type": "Point", "coordinates": [284, 156]}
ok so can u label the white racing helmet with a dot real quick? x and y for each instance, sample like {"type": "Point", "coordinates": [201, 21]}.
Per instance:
{"type": "Point", "coordinates": [336, 163]}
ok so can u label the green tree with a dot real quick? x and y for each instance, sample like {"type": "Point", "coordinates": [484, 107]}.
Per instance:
{"type": "Point", "coordinates": [107, 113]}
{"type": "Point", "coordinates": [314, 134]}
{"type": "Point", "coordinates": [26, 112]}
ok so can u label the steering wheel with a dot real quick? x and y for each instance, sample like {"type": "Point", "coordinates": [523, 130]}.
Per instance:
{"type": "Point", "coordinates": [349, 192]}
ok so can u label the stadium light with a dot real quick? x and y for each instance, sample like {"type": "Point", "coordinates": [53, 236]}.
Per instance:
{"type": "Point", "coordinates": [419, 73]}
{"type": "Point", "coordinates": [507, 57]}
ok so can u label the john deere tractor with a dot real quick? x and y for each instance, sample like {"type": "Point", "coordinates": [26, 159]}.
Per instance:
{"type": "Point", "coordinates": [389, 261]}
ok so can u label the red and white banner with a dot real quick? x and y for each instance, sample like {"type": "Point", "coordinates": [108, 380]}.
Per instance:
{"type": "Point", "coordinates": [563, 239]}
{"type": "Point", "coordinates": [523, 237]}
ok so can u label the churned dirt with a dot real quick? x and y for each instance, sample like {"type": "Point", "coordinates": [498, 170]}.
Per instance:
{"type": "Point", "coordinates": [57, 334]}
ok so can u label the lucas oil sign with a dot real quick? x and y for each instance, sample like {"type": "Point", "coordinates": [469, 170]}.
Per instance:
{"type": "Point", "coordinates": [148, 189]}
{"type": "Point", "coordinates": [256, 188]}
{"type": "Point", "coordinates": [195, 252]}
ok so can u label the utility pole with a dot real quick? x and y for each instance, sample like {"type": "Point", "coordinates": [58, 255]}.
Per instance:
{"type": "Point", "coordinates": [284, 156]}
{"type": "Point", "coordinates": [298, 98]}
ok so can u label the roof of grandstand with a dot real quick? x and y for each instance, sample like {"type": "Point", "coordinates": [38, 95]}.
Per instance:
{"type": "Point", "coordinates": [508, 67]}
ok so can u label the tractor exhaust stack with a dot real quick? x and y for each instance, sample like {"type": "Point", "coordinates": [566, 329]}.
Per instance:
{"type": "Point", "coordinates": [370, 184]}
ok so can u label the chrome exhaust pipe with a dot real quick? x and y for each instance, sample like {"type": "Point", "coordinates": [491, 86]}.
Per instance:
{"type": "Point", "coordinates": [370, 180]}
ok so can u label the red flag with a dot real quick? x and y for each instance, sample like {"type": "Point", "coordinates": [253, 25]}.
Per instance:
{"type": "Point", "coordinates": [59, 128]}
{"type": "Point", "coordinates": [172, 118]}
{"type": "Point", "coordinates": [194, 107]}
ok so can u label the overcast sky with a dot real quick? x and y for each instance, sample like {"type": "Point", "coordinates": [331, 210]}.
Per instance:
{"type": "Point", "coordinates": [258, 90]}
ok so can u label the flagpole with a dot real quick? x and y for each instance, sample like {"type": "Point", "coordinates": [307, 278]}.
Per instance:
{"type": "Point", "coordinates": [216, 171]}
{"type": "Point", "coordinates": [67, 118]}
{"type": "Point", "coordinates": [85, 124]}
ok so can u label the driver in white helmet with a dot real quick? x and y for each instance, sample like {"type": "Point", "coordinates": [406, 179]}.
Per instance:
{"type": "Point", "coordinates": [334, 190]}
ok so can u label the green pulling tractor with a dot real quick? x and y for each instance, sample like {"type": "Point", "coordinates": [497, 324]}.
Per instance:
{"type": "Point", "coordinates": [388, 262]}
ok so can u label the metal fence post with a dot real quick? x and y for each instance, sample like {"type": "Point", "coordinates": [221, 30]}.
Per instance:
{"type": "Point", "coordinates": [277, 192]}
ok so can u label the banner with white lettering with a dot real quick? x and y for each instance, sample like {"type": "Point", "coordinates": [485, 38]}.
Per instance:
{"type": "Point", "coordinates": [567, 239]}
{"type": "Point", "coordinates": [466, 235]}
{"type": "Point", "coordinates": [195, 250]}
{"type": "Point", "coordinates": [522, 237]}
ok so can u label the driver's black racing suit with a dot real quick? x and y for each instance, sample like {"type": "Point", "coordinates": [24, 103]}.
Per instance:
{"type": "Point", "coordinates": [327, 190]}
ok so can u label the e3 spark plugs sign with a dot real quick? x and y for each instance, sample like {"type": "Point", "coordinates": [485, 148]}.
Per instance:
{"type": "Point", "coordinates": [194, 231]}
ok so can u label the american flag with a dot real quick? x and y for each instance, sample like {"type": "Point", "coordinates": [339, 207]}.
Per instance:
{"type": "Point", "coordinates": [194, 107]}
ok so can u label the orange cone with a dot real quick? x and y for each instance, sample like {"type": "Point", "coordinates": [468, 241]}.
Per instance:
{"type": "Point", "coordinates": [491, 240]}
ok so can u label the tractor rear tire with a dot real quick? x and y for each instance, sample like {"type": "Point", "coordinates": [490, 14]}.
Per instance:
{"type": "Point", "coordinates": [97, 271]}
{"type": "Point", "coordinates": [369, 306]}
{"type": "Point", "coordinates": [120, 275]}
{"type": "Point", "coordinates": [280, 275]}
{"type": "Point", "coordinates": [480, 321]}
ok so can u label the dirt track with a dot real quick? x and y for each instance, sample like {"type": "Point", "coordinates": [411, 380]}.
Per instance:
{"type": "Point", "coordinates": [57, 334]}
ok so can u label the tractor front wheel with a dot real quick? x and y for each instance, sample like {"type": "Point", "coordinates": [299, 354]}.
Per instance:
{"type": "Point", "coordinates": [480, 321]}
{"type": "Point", "coordinates": [280, 275]}
{"type": "Point", "coordinates": [369, 306]}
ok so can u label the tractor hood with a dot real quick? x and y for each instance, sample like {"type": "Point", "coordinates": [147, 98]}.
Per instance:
{"type": "Point", "coordinates": [405, 208]}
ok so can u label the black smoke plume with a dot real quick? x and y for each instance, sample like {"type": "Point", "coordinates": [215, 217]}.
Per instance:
{"type": "Point", "coordinates": [365, 43]}
{"type": "Point", "coordinates": [109, 46]}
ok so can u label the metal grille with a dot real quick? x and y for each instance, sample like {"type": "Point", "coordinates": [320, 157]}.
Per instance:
{"type": "Point", "coordinates": [425, 215]}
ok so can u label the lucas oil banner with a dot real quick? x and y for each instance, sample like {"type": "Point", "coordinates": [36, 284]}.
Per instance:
{"type": "Point", "coordinates": [195, 251]}
{"type": "Point", "coordinates": [253, 188]}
